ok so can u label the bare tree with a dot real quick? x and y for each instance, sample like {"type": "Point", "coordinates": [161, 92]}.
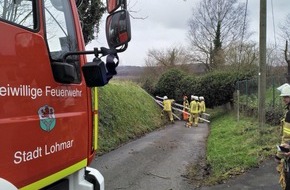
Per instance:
{"type": "Point", "coordinates": [285, 35]}
{"type": "Point", "coordinates": [287, 59]}
{"type": "Point", "coordinates": [160, 60]}
{"type": "Point", "coordinates": [285, 28]}
{"type": "Point", "coordinates": [18, 12]}
{"type": "Point", "coordinates": [132, 11]}
{"type": "Point", "coordinates": [247, 56]}
{"type": "Point", "coordinates": [274, 60]}
{"type": "Point", "coordinates": [215, 25]}
{"type": "Point", "coordinates": [169, 57]}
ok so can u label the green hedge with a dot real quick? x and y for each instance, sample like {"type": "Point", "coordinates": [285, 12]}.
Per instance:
{"type": "Point", "coordinates": [216, 87]}
{"type": "Point", "coordinates": [170, 84]}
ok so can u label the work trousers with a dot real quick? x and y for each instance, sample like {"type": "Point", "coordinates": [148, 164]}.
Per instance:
{"type": "Point", "coordinates": [284, 170]}
{"type": "Point", "coordinates": [287, 174]}
{"type": "Point", "coordinates": [170, 115]}
{"type": "Point", "coordinates": [193, 118]}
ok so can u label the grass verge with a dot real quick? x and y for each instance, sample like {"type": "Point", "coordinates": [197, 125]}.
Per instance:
{"type": "Point", "coordinates": [126, 112]}
{"type": "Point", "coordinates": [233, 148]}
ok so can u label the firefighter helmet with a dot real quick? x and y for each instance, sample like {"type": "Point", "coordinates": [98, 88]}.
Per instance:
{"type": "Point", "coordinates": [282, 86]}
{"type": "Point", "coordinates": [285, 91]}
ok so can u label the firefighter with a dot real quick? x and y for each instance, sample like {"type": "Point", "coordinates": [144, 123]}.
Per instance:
{"type": "Point", "coordinates": [167, 107]}
{"type": "Point", "coordinates": [185, 108]}
{"type": "Point", "coordinates": [281, 157]}
{"type": "Point", "coordinates": [201, 107]}
{"type": "Point", "coordinates": [193, 118]}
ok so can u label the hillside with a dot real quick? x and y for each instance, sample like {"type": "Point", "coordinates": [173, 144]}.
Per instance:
{"type": "Point", "coordinates": [134, 72]}
{"type": "Point", "coordinates": [126, 112]}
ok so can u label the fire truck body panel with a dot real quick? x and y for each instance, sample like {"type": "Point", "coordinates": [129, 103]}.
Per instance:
{"type": "Point", "coordinates": [44, 122]}
{"type": "Point", "coordinates": [48, 115]}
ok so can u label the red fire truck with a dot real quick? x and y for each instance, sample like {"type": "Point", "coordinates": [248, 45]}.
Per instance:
{"type": "Point", "coordinates": [48, 113]}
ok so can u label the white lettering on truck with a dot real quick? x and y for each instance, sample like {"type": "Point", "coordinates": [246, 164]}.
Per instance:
{"type": "Point", "coordinates": [56, 147]}
{"type": "Point", "coordinates": [62, 92]}
{"type": "Point", "coordinates": [25, 156]}
{"type": "Point", "coordinates": [33, 92]}
{"type": "Point", "coordinates": [21, 90]}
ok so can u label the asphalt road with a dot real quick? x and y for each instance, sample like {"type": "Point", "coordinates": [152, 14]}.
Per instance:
{"type": "Point", "coordinates": [158, 161]}
{"type": "Point", "coordinates": [263, 178]}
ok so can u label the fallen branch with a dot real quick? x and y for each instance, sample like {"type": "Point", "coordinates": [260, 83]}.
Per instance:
{"type": "Point", "coordinates": [149, 173]}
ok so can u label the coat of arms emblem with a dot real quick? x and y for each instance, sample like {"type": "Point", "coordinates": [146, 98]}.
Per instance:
{"type": "Point", "coordinates": [47, 118]}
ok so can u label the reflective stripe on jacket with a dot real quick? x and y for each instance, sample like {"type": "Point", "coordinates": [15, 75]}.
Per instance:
{"type": "Point", "coordinates": [286, 132]}
{"type": "Point", "coordinates": [185, 103]}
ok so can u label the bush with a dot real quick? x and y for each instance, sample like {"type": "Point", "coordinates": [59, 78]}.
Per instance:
{"type": "Point", "coordinates": [273, 116]}
{"type": "Point", "coordinates": [169, 84]}
{"type": "Point", "coordinates": [149, 85]}
{"type": "Point", "coordinates": [216, 87]}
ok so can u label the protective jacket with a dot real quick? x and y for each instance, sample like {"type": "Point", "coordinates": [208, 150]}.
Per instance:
{"type": "Point", "coordinates": [193, 107]}
{"type": "Point", "coordinates": [185, 103]}
{"type": "Point", "coordinates": [185, 109]}
{"type": "Point", "coordinates": [167, 104]}
{"type": "Point", "coordinates": [285, 131]}
{"type": "Point", "coordinates": [202, 106]}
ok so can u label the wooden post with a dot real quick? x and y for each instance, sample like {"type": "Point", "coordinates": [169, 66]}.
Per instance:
{"type": "Point", "coordinates": [262, 61]}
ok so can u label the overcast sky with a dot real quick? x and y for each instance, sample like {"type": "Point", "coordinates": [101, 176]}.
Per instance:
{"type": "Point", "coordinates": [166, 25]}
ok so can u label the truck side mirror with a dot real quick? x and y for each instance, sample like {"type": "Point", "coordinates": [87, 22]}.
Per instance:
{"type": "Point", "coordinates": [118, 28]}
{"type": "Point", "coordinates": [64, 72]}
{"type": "Point", "coordinates": [113, 5]}
{"type": "Point", "coordinates": [95, 73]}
